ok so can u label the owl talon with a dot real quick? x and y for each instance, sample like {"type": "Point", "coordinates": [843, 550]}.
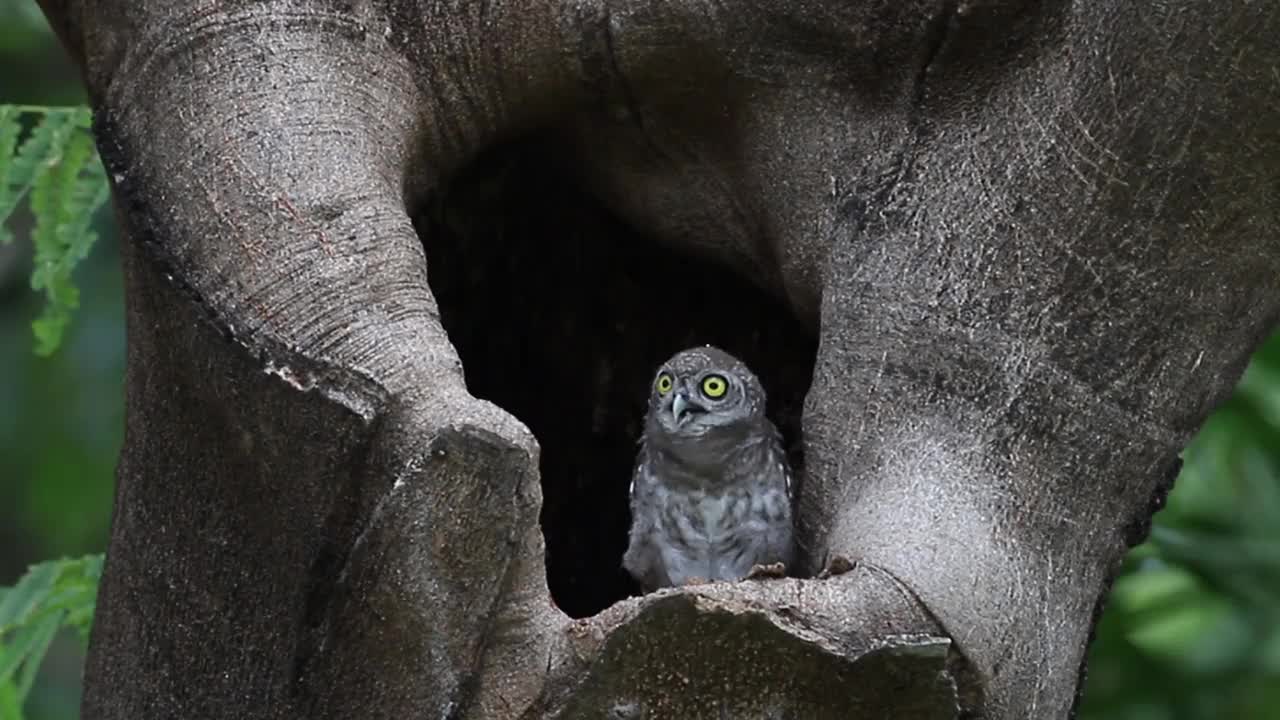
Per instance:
{"type": "Point", "coordinates": [765, 572]}
{"type": "Point", "coordinates": [838, 565]}
{"type": "Point", "coordinates": [696, 581]}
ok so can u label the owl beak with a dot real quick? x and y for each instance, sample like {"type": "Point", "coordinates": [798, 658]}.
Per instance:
{"type": "Point", "coordinates": [681, 408]}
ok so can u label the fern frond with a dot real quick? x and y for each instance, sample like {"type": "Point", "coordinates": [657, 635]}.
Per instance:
{"type": "Point", "coordinates": [89, 190]}
{"type": "Point", "coordinates": [51, 203]}
{"type": "Point", "coordinates": [36, 154]}
{"type": "Point", "coordinates": [63, 211]}
{"type": "Point", "coordinates": [56, 169]}
{"type": "Point", "coordinates": [10, 129]}
{"type": "Point", "coordinates": [62, 295]}
{"type": "Point", "coordinates": [51, 595]}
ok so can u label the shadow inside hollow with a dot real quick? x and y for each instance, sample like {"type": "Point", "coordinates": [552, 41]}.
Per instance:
{"type": "Point", "coordinates": [561, 315]}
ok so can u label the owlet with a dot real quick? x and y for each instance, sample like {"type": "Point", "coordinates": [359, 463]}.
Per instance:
{"type": "Point", "coordinates": [711, 491]}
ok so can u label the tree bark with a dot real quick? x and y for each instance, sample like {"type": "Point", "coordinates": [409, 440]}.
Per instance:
{"type": "Point", "coordinates": [995, 261]}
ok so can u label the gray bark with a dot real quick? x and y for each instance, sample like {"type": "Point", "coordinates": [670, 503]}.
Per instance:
{"type": "Point", "coordinates": [995, 262]}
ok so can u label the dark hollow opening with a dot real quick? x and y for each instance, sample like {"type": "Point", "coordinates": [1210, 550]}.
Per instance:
{"type": "Point", "coordinates": [561, 315]}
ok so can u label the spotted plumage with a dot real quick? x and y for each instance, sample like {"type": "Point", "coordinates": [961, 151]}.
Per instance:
{"type": "Point", "coordinates": [711, 490]}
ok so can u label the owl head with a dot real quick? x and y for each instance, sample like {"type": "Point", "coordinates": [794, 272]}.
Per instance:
{"type": "Point", "coordinates": [704, 391]}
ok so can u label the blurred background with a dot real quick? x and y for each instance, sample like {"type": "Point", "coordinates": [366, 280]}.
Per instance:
{"type": "Point", "coordinates": [1191, 631]}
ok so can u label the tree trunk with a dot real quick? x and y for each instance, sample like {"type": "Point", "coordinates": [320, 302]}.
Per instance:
{"type": "Point", "coordinates": [994, 261]}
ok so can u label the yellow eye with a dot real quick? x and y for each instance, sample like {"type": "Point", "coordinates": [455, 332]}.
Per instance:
{"type": "Point", "coordinates": [664, 383]}
{"type": "Point", "coordinates": [714, 386]}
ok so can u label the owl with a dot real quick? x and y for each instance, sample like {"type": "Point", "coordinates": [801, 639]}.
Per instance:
{"type": "Point", "coordinates": [711, 490]}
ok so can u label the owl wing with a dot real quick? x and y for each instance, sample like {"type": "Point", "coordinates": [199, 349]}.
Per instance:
{"type": "Point", "coordinates": [781, 537]}
{"type": "Point", "coordinates": [642, 559]}
{"type": "Point", "coordinates": [778, 455]}
{"type": "Point", "coordinates": [631, 491]}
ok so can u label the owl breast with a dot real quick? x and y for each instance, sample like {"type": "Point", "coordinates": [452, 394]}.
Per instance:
{"type": "Point", "coordinates": [711, 535]}
{"type": "Point", "coordinates": [716, 512]}
{"type": "Point", "coordinates": [698, 518]}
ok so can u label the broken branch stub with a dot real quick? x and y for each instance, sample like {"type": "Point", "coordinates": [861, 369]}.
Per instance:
{"type": "Point", "coordinates": [813, 649]}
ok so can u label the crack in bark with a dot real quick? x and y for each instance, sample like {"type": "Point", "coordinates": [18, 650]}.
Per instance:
{"type": "Point", "coordinates": [624, 85]}
{"type": "Point", "coordinates": [935, 38]}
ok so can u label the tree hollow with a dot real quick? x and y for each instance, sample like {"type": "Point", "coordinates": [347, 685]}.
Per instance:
{"type": "Point", "coordinates": [561, 315]}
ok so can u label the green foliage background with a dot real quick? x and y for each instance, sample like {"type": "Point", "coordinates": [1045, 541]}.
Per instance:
{"type": "Point", "coordinates": [1192, 628]}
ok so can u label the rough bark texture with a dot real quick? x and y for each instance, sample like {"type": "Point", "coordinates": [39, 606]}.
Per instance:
{"type": "Point", "coordinates": [995, 261]}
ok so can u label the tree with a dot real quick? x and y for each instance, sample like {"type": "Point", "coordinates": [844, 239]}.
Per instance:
{"type": "Point", "coordinates": [959, 241]}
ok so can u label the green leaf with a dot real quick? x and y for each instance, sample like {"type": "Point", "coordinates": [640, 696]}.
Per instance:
{"type": "Point", "coordinates": [10, 129]}
{"type": "Point", "coordinates": [93, 567]}
{"type": "Point", "coordinates": [49, 596]}
{"type": "Point", "coordinates": [57, 169]}
{"type": "Point", "coordinates": [35, 155]}
{"type": "Point", "coordinates": [63, 204]}
{"type": "Point", "coordinates": [42, 636]}
{"type": "Point", "coordinates": [57, 585]}
{"type": "Point", "coordinates": [52, 194]}
{"type": "Point", "coordinates": [1155, 587]}
{"type": "Point", "coordinates": [27, 645]}
{"type": "Point", "coordinates": [32, 589]}
{"type": "Point", "coordinates": [1169, 632]}
{"type": "Point", "coordinates": [10, 707]}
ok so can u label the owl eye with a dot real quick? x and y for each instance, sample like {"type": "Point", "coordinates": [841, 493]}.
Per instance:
{"type": "Point", "coordinates": [714, 386]}
{"type": "Point", "coordinates": [664, 383]}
